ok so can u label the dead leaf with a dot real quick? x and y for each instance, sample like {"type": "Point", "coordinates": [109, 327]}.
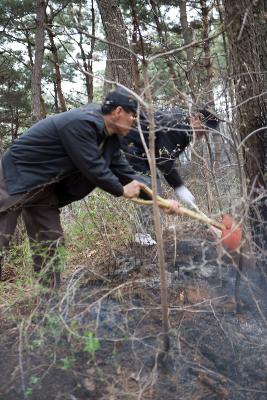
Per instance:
{"type": "Point", "coordinates": [89, 384]}
{"type": "Point", "coordinates": [89, 254]}
{"type": "Point", "coordinates": [134, 377]}
{"type": "Point", "coordinates": [118, 370]}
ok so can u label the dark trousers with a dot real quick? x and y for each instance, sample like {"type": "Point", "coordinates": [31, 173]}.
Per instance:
{"type": "Point", "coordinates": [41, 216]}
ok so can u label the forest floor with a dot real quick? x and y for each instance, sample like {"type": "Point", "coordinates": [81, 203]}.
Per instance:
{"type": "Point", "coordinates": [100, 336]}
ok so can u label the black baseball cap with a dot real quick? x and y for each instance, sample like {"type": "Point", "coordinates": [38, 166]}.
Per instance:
{"type": "Point", "coordinates": [121, 98]}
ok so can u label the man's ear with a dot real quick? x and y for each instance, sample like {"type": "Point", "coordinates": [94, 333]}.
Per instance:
{"type": "Point", "coordinates": [116, 112]}
{"type": "Point", "coordinates": [119, 109]}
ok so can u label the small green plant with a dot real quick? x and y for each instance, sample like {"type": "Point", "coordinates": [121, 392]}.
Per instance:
{"type": "Point", "coordinates": [28, 392]}
{"type": "Point", "coordinates": [68, 363]}
{"type": "Point", "coordinates": [36, 343]}
{"type": "Point", "coordinates": [91, 343]}
{"type": "Point", "coordinates": [32, 381]}
{"type": "Point", "coordinates": [53, 326]}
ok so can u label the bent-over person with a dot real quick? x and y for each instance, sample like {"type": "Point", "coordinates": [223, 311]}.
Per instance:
{"type": "Point", "coordinates": [59, 160]}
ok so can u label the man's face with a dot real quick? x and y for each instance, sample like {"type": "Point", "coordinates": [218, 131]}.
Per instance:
{"type": "Point", "coordinates": [122, 120]}
{"type": "Point", "coordinates": [197, 126]}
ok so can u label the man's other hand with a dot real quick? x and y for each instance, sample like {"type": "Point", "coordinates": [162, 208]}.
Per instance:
{"type": "Point", "coordinates": [132, 189]}
{"type": "Point", "coordinates": [173, 207]}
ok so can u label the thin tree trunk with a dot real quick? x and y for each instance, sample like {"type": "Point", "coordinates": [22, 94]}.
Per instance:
{"type": "Point", "coordinates": [88, 58]}
{"type": "Point", "coordinates": [156, 213]}
{"type": "Point", "coordinates": [55, 57]}
{"type": "Point", "coordinates": [56, 64]}
{"type": "Point", "coordinates": [187, 33]}
{"type": "Point", "coordinates": [56, 106]}
{"type": "Point", "coordinates": [135, 46]}
{"type": "Point", "coordinates": [207, 54]}
{"type": "Point", "coordinates": [208, 83]}
{"type": "Point", "coordinates": [162, 37]}
{"type": "Point", "coordinates": [38, 61]}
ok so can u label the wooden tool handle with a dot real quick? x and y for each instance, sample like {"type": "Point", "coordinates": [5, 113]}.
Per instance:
{"type": "Point", "coordinates": [181, 210]}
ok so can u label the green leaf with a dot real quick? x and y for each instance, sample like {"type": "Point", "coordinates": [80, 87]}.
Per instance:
{"type": "Point", "coordinates": [91, 343]}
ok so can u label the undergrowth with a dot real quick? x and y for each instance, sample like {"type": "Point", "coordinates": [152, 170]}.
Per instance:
{"type": "Point", "coordinates": [94, 229]}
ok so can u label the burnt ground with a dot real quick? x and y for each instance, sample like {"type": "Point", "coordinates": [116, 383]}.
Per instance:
{"type": "Point", "coordinates": [100, 336]}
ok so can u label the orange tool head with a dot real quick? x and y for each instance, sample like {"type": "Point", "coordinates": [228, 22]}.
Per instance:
{"type": "Point", "coordinates": [231, 233]}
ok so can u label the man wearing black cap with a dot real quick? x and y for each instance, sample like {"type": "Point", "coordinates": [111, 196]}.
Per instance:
{"type": "Point", "coordinates": [60, 160]}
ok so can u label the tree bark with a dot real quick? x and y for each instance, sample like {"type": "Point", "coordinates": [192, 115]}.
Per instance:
{"type": "Point", "coordinates": [38, 61]}
{"type": "Point", "coordinates": [56, 63]}
{"type": "Point", "coordinates": [208, 84]}
{"type": "Point", "coordinates": [87, 57]}
{"type": "Point", "coordinates": [247, 52]}
{"type": "Point", "coordinates": [54, 50]}
{"type": "Point", "coordinates": [187, 33]}
{"type": "Point", "coordinates": [207, 53]}
{"type": "Point", "coordinates": [245, 55]}
{"type": "Point", "coordinates": [163, 39]}
{"type": "Point", "coordinates": [119, 59]}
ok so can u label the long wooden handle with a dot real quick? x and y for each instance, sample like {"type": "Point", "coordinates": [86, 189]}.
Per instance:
{"type": "Point", "coordinates": [181, 210]}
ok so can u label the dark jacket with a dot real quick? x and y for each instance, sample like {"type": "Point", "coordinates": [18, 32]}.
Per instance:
{"type": "Point", "coordinates": [71, 151]}
{"type": "Point", "coordinates": [172, 136]}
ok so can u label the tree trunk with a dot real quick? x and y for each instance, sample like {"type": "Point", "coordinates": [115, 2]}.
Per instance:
{"type": "Point", "coordinates": [208, 84]}
{"type": "Point", "coordinates": [162, 37]}
{"type": "Point", "coordinates": [137, 41]}
{"type": "Point", "coordinates": [119, 59]}
{"type": "Point", "coordinates": [260, 13]}
{"type": "Point", "coordinates": [207, 54]}
{"type": "Point", "coordinates": [247, 52]}
{"type": "Point", "coordinates": [38, 61]}
{"type": "Point", "coordinates": [56, 63]}
{"type": "Point", "coordinates": [187, 33]}
{"type": "Point", "coordinates": [87, 57]}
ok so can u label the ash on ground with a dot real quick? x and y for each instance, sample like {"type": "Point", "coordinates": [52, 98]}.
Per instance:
{"type": "Point", "coordinates": [101, 336]}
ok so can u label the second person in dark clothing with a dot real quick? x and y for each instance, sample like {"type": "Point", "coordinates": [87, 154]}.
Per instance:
{"type": "Point", "coordinates": [173, 134]}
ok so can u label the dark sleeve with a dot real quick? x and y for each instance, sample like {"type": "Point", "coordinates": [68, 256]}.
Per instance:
{"type": "Point", "coordinates": [122, 169]}
{"type": "Point", "coordinates": [168, 147]}
{"type": "Point", "coordinates": [169, 170]}
{"type": "Point", "coordinates": [79, 139]}
{"type": "Point", "coordinates": [173, 178]}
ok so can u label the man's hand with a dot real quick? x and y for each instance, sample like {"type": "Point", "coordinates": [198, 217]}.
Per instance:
{"type": "Point", "coordinates": [132, 189]}
{"type": "Point", "coordinates": [173, 207]}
